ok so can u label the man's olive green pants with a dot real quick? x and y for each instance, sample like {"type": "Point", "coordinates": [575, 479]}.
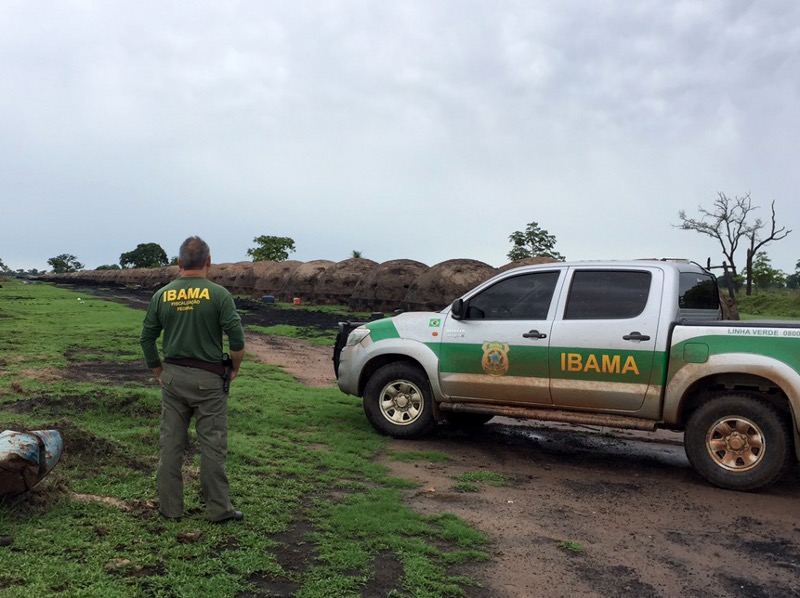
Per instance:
{"type": "Point", "coordinates": [186, 393]}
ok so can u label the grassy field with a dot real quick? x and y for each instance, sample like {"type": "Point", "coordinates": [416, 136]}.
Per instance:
{"type": "Point", "coordinates": [782, 304]}
{"type": "Point", "coordinates": [322, 517]}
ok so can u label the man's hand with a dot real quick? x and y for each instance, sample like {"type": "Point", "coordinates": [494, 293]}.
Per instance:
{"type": "Point", "coordinates": [157, 375]}
{"type": "Point", "coordinates": [236, 362]}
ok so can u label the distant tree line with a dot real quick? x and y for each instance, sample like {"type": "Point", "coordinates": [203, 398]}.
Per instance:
{"type": "Point", "coordinates": [731, 221]}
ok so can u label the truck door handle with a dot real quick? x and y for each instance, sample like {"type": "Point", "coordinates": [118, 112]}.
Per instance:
{"type": "Point", "coordinates": [534, 334]}
{"type": "Point", "coordinates": [636, 336]}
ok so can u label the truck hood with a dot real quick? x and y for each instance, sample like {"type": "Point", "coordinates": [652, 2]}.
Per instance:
{"type": "Point", "coordinates": [424, 326]}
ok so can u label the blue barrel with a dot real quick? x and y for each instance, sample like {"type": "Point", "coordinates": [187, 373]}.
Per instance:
{"type": "Point", "coordinates": [268, 299]}
{"type": "Point", "coordinates": [26, 457]}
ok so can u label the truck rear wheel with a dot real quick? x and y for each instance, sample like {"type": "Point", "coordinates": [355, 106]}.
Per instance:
{"type": "Point", "coordinates": [398, 401]}
{"type": "Point", "coordinates": [738, 442]}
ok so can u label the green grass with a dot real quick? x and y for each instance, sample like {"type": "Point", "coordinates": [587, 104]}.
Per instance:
{"type": "Point", "coordinates": [321, 513]}
{"type": "Point", "coordinates": [314, 336]}
{"type": "Point", "coordinates": [780, 304]}
{"type": "Point", "coordinates": [490, 478]}
{"type": "Point", "coordinates": [333, 309]}
{"type": "Point", "coordinates": [570, 546]}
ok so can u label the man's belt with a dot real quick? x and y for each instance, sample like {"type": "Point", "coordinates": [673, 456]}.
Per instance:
{"type": "Point", "coordinates": [188, 362]}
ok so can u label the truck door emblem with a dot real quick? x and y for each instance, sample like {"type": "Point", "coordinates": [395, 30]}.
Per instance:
{"type": "Point", "coordinates": [495, 358]}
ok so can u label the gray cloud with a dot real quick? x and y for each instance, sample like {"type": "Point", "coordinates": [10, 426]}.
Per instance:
{"type": "Point", "coordinates": [423, 130]}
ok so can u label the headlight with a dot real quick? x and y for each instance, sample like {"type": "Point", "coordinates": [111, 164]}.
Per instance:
{"type": "Point", "coordinates": [358, 335]}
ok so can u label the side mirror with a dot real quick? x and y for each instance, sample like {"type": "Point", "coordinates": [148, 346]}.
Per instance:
{"type": "Point", "coordinates": [457, 309]}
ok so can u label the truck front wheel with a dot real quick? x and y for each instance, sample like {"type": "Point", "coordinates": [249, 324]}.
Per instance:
{"type": "Point", "coordinates": [738, 442]}
{"type": "Point", "coordinates": [398, 401]}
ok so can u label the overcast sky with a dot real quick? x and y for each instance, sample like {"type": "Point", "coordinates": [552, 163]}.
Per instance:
{"type": "Point", "coordinates": [422, 129]}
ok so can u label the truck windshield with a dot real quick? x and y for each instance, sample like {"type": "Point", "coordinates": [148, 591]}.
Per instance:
{"type": "Point", "coordinates": [698, 291]}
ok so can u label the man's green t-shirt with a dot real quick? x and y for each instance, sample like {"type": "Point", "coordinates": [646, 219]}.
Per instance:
{"type": "Point", "coordinates": [193, 312]}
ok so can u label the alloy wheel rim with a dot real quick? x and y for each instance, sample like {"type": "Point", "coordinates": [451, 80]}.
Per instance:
{"type": "Point", "coordinates": [401, 402]}
{"type": "Point", "coordinates": [735, 443]}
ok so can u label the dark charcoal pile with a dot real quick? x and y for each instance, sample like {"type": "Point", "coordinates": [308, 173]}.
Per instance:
{"type": "Point", "coordinates": [253, 311]}
{"type": "Point", "coordinates": [265, 314]}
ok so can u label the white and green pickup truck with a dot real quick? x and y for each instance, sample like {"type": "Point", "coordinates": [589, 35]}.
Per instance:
{"type": "Point", "coordinates": [635, 344]}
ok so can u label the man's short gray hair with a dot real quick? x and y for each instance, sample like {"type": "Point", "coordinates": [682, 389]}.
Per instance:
{"type": "Point", "coordinates": [194, 253]}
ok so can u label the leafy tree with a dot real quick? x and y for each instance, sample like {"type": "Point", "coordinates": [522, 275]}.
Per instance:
{"type": "Point", "coordinates": [793, 280]}
{"type": "Point", "coordinates": [3, 267]}
{"type": "Point", "coordinates": [728, 223]}
{"type": "Point", "coordinates": [533, 242]}
{"type": "Point", "coordinates": [356, 253]}
{"type": "Point", "coordinates": [31, 272]}
{"type": "Point", "coordinates": [66, 262]}
{"type": "Point", "coordinates": [108, 267]}
{"type": "Point", "coordinates": [271, 249]}
{"type": "Point", "coordinates": [764, 275]}
{"type": "Point", "coordinates": [146, 255]}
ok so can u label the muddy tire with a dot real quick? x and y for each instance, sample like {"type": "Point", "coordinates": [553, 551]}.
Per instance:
{"type": "Point", "coordinates": [398, 401]}
{"type": "Point", "coordinates": [738, 442]}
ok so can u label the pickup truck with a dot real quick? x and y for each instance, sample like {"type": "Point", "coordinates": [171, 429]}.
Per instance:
{"type": "Point", "coordinates": [637, 344]}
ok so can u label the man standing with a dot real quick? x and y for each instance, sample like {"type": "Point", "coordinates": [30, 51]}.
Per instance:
{"type": "Point", "coordinates": [193, 313]}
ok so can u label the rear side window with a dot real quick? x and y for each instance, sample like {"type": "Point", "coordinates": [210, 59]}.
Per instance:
{"type": "Point", "coordinates": [698, 291]}
{"type": "Point", "coordinates": [607, 294]}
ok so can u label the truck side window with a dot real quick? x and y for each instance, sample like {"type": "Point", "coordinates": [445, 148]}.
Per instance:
{"type": "Point", "coordinates": [698, 291]}
{"type": "Point", "coordinates": [607, 294]}
{"type": "Point", "coordinates": [523, 297]}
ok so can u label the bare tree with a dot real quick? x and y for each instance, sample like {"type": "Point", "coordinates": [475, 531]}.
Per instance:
{"type": "Point", "coordinates": [756, 243]}
{"type": "Point", "coordinates": [728, 224]}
